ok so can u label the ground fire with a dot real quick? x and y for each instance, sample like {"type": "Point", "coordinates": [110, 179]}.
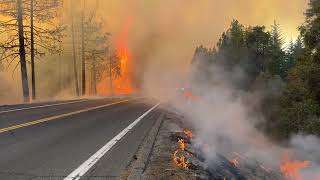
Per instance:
{"type": "Point", "coordinates": [180, 160]}
{"type": "Point", "coordinates": [291, 169]}
{"type": "Point", "coordinates": [179, 154]}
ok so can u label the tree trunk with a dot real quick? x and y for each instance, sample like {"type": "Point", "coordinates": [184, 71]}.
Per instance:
{"type": "Point", "coordinates": [94, 77]}
{"type": "Point", "coordinates": [75, 71]}
{"type": "Point", "coordinates": [22, 52]}
{"type": "Point", "coordinates": [83, 57]}
{"type": "Point", "coordinates": [33, 77]}
{"type": "Point", "coordinates": [110, 72]}
{"type": "Point", "coordinates": [60, 68]}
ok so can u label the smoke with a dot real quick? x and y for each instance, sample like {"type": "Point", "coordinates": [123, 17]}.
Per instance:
{"type": "Point", "coordinates": [8, 94]}
{"type": "Point", "coordinates": [162, 41]}
{"type": "Point", "coordinates": [307, 146]}
{"type": "Point", "coordinates": [226, 120]}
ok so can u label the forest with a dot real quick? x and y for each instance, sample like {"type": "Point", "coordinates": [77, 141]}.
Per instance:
{"type": "Point", "coordinates": [70, 36]}
{"type": "Point", "coordinates": [286, 75]}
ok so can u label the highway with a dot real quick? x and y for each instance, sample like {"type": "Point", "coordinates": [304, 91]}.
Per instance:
{"type": "Point", "coordinates": [79, 139]}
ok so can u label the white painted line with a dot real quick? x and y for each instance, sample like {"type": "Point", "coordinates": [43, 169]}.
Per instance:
{"type": "Point", "coordinates": [85, 167]}
{"type": "Point", "coordinates": [43, 106]}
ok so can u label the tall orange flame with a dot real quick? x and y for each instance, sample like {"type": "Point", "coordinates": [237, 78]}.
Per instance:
{"type": "Point", "coordinates": [123, 84]}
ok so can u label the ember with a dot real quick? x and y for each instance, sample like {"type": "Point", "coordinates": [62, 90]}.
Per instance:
{"type": "Point", "coordinates": [234, 162]}
{"type": "Point", "coordinates": [188, 133]}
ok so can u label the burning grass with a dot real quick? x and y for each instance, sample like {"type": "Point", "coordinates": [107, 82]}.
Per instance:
{"type": "Point", "coordinates": [291, 169]}
{"type": "Point", "coordinates": [178, 155]}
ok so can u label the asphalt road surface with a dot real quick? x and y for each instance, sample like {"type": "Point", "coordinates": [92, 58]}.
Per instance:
{"type": "Point", "coordinates": [82, 139]}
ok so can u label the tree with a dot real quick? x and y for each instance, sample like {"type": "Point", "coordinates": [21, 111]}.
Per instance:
{"type": "Point", "coordinates": [42, 14]}
{"type": "Point", "coordinates": [311, 29]}
{"type": "Point", "coordinates": [277, 55]}
{"type": "Point", "coordinates": [300, 104]}
{"type": "Point", "coordinates": [113, 65]}
{"type": "Point", "coordinates": [96, 43]}
{"type": "Point", "coordinates": [310, 33]}
{"type": "Point", "coordinates": [257, 42]}
{"type": "Point", "coordinates": [39, 31]}
{"type": "Point", "coordinates": [75, 69]}
{"type": "Point", "coordinates": [83, 70]}
{"type": "Point", "coordinates": [231, 46]}
{"type": "Point", "coordinates": [294, 51]}
{"type": "Point", "coordinates": [22, 53]}
{"type": "Point", "coordinates": [14, 44]}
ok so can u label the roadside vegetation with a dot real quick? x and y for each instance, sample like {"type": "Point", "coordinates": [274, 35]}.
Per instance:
{"type": "Point", "coordinates": [288, 75]}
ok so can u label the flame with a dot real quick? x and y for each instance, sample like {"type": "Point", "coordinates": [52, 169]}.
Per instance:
{"type": "Point", "coordinates": [234, 162]}
{"type": "Point", "coordinates": [180, 161]}
{"type": "Point", "coordinates": [291, 170]}
{"type": "Point", "coordinates": [188, 133]}
{"type": "Point", "coordinates": [181, 144]}
{"type": "Point", "coordinates": [123, 84]}
{"type": "Point", "coordinates": [188, 94]}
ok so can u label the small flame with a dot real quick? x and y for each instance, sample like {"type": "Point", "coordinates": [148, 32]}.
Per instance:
{"type": "Point", "coordinates": [182, 144]}
{"type": "Point", "coordinates": [234, 162]}
{"type": "Point", "coordinates": [191, 96]}
{"type": "Point", "coordinates": [188, 133]}
{"type": "Point", "coordinates": [180, 161]}
{"type": "Point", "coordinates": [291, 170]}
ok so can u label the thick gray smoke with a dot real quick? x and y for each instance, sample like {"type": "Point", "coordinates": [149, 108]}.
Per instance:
{"type": "Point", "coordinates": [226, 120]}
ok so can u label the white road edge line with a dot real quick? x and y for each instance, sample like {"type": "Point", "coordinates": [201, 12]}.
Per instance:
{"type": "Point", "coordinates": [85, 167]}
{"type": "Point", "coordinates": [43, 106]}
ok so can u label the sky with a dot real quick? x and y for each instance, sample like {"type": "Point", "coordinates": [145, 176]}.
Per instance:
{"type": "Point", "coordinates": [208, 17]}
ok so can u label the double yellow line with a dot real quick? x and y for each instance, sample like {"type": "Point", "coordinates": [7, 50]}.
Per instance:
{"type": "Point", "coordinates": [34, 122]}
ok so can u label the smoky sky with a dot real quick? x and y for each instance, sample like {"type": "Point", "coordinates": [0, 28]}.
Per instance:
{"type": "Point", "coordinates": [172, 28]}
{"type": "Point", "coordinates": [165, 33]}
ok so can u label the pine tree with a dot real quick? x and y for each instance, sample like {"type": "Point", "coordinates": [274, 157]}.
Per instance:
{"type": "Point", "coordinates": [277, 55]}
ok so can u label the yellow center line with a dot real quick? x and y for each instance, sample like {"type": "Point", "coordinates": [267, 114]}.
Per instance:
{"type": "Point", "coordinates": [34, 122]}
{"type": "Point", "coordinates": [43, 106]}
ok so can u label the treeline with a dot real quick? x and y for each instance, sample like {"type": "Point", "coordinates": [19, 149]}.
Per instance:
{"type": "Point", "coordinates": [31, 30]}
{"type": "Point", "coordinates": [288, 76]}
